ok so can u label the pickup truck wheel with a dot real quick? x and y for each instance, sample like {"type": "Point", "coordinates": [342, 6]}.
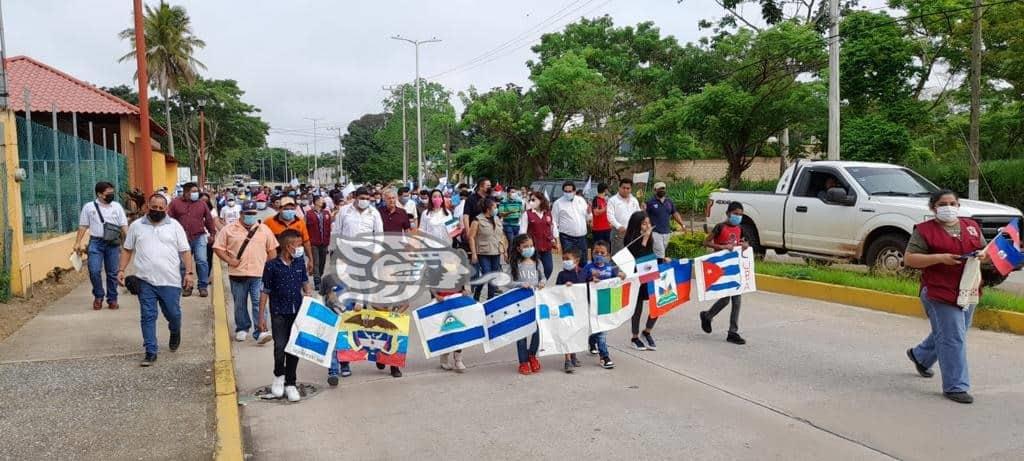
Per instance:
{"type": "Point", "coordinates": [886, 253]}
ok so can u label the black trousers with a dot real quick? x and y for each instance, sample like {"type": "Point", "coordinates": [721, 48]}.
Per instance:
{"type": "Point", "coordinates": [284, 363]}
{"type": "Point", "coordinates": [319, 260]}
{"type": "Point", "coordinates": [639, 311]}
{"type": "Point", "coordinates": [734, 316]}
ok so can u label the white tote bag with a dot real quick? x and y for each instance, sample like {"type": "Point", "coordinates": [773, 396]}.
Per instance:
{"type": "Point", "coordinates": [970, 283]}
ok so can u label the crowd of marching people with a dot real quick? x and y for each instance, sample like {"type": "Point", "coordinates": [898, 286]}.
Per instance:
{"type": "Point", "coordinates": [276, 242]}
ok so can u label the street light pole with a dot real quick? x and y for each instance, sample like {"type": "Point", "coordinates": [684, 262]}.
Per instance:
{"type": "Point", "coordinates": [833, 80]}
{"type": "Point", "coordinates": [315, 152]}
{"type": "Point", "coordinates": [419, 117]}
{"type": "Point", "coordinates": [202, 149]}
{"type": "Point", "coordinates": [144, 149]}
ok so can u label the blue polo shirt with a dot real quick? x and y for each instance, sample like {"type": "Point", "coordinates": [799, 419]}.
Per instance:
{"type": "Point", "coordinates": [283, 283]}
{"type": "Point", "coordinates": [603, 272]}
{"type": "Point", "coordinates": [661, 213]}
{"type": "Point", "coordinates": [573, 276]}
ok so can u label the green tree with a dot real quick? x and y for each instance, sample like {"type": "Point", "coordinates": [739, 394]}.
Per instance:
{"type": "Point", "coordinates": [366, 160]}
{"type": "Point", "coordinates": [873, 138]}
{"type": "Point", "coordinates": [170, 49]}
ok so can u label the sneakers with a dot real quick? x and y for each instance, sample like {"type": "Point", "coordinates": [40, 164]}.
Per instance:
{"type": "Point", "coordinates": [396, 372]}
{"type": "Point", "coordinates": [445, 365]}
{"type": "Point", "coordinates": [175, 341]}
{"type": "Point", "coordinates": [277, 387]}
{"type": "Point", "coordinates": [567, 367]}
{"type": "Point", "coordinates": [607, 363]}
{"type": "Point", "coordinates": [112, 305]}
{"type": "Point", "coordinates": [263, 338]}
{"type": "Point", "coordinates": [651, 346]}
{"type": "Point", "coordinates": [921, 370]}
{"type": "Point", "coordinates": [638, 345]}
{"type": "Point", "coordinates": [705, 322]}
{"type": "Point", "coordinates": [240, 335]}
{"type": "Point", "coordinates": [534, 364]}
{"type": "Point", "coordinates": [380, 366]}
{"type": "Point", "coordinates": [148, 360]}
{"type": "Point", "coordinates": [735, 338]}
{"type": "Point", "coordinates": [97, 304]}
{"type": "Point", "coordinates": [593, 349]}
{"type": "Point", "coordinates": [345, 370]}
{"type": "Point", "coordinates": [959, 397]}
{"type": "Point", "coordinates": [332, 380]}
{"type": "Point", "coordinates": [292, 393]}
{"type": "Point", "coordinates": [524, 368]}
{"type": "Point", "coordinates": [459, 366]}
{"type": "Point", "coordinates": [203, 292]}
{"type": "Point", "coordinates": [575, 361]}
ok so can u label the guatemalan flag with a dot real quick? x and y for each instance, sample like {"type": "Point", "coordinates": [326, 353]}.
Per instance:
{"type": "Point", "coordinates": [510, 317]}
{"type": "Point", "coordinates": [454, 323]}
{"type": "Point", "coordinates": [725, 273]}
{"type": "Point", "coordinates": [672, 287]}
{"type": "Point", "coordinates": [314, 333]}
{"type": "Point", "coordinates": [1004, 251]}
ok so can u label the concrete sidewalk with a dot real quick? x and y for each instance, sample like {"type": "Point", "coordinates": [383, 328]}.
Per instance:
{"type": "Point", "coordinates": [816, 381]}
{"type": "Point", "coordinates": [74, 388]}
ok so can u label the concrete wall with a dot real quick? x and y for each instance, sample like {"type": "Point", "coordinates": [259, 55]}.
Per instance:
{"type": "Point", "coordinates": [9, 150]}
{"type": "Point", "coordinates": [42, 256]}
{"type": "Point", "coordinates": [702, 171]}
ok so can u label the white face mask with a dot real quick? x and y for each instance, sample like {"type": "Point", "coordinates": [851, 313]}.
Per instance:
{"type": "Point", "coordinates": [298, 253]}
{"type": "Point", "coordinates": [363, 204]}
{"type": "Point", "coordinates": [947, 214]}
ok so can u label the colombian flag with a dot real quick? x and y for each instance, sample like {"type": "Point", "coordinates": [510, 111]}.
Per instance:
{"type": "Point", "coordinates": [672, 287]}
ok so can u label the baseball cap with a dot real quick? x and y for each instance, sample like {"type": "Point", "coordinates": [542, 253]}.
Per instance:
{"type": "Point", "coordinates": [249, 205]}
{"type": "Point", "coordinates": [287, 201]}
{"type": "Point", "coordinates": [659, 185]}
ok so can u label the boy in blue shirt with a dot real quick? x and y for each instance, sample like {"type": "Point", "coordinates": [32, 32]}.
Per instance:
{"type": "Point", "coordinates": [601, 268]}
{"type": "Point", "coordinates": [571, 273]}
{"type": "Point", "coordinates": [285, 282]}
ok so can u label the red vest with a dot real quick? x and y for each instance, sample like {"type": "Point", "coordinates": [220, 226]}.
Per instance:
{"type": "Point", "coordinates": [942, 281]}
{"type": "Point", "coordinates": [729, 235]}
{"type": "Point", "coordinates": [539, 230]}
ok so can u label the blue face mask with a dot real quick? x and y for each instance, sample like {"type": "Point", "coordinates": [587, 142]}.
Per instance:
{"type": "Point", "coordinates": [735, 219]}
{"type": "Point", "coordinates": [528, 252]}
{"type": "Point", "coordinates": [600, 260]}
{"type": "Point", "coordinates": [287, 215]}
{"type": "Point", "coordinates": [456, 199]}
{"type": "Point", "coordinates": [249, 219]}
{"type": "Point", "coordinates": [194, 196]}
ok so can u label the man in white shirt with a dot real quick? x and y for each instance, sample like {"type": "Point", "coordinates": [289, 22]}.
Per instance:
{"type": "Point", "coordinates": [570, 213]}
{"type": "Point", "coordinates": [620, 207]}
{"type": "Point", "coordinates": [231, 212]}
{"type": "Point", "coordinates": [159, 246]}
{"type": "Point", "coordinates": [94, 215]}
{"type": "Point", "coordinates": [360, 217]}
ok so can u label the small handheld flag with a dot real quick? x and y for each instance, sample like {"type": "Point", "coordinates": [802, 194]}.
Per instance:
{"type": "Point", "coordinates": [1004, 255]}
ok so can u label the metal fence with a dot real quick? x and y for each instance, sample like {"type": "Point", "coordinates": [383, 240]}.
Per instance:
{"type": "Point", "coordinates": [61, 173]}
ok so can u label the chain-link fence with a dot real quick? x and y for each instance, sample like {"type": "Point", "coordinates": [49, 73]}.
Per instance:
{"type": "Point", "coordinates": [61, 173]}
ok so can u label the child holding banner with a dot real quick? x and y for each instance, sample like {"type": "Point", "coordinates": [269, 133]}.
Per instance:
{"type": "Point", "coordinates": [601, 268]}
{"type": "Point", "coordinates": [526, 273]}
{"type": "Point", "coordinates": [285, 282]}
{"type": "Point", "coordinates": [571, 273]}
{"type": "Point", "coordinates": [726, 236]}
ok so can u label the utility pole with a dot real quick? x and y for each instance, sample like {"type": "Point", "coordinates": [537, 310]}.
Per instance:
{"type": "Point", "coordinates": [419, 117]}
{"type": "Point", "coordinates": [315, 151]}
{"type": "Point", "coordinates": [405, 138]}
{"type": "Point", "coordinates": [341, 159]}
{"type": "Point", "coordinates": [833, 80]}
{"type": "Point", "coordinates": [3, 62]}
{"type": "Point", "coordinates": [144, 148]}
{"type": "Point", "coordinates": [307, 159]}
{"type": "Point", "coordinates": [974, 143]}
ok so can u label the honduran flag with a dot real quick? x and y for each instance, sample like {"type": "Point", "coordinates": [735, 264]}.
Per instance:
{"type": "Point", "coordinates": [510, 317]}
{"type": "Point", "coordinates": [672, 287]}
{"type": "Point", "coordinates": [1004, 254]}
{"type": "Point", "coordinates": [454, 323]}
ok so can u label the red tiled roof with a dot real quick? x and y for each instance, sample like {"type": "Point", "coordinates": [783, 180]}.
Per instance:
{"type": "Point", "coordinates": [49, 86]}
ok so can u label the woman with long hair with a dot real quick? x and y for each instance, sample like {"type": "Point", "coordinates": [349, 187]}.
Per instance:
{"type": "Point", "coordinates": [484, 239]}
{"type": "Point", "coordinates": [640, 243]}
{"type": "Point", "coordinates": [541, 227]}
{"type": "Point", "coordinates": [432, 221]}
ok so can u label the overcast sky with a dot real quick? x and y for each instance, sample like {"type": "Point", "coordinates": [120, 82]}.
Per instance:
{"type": "Point", "coordinates": [328, 58]}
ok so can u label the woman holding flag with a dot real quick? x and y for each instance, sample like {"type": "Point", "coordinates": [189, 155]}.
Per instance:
{"type": "Point", "coordinates": [940, 247]}
{"type": "Point", "coordinates": [640, 243]}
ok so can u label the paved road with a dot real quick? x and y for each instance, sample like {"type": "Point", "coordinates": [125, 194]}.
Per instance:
{"type": "Point", "coordinates": [816, 381]}
{"type": "Point", "coordinates": [73, 388]}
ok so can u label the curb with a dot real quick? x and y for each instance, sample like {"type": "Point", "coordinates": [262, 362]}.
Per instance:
{"type": "Point", "coordinates": [229, 425]}
{"type": "Point", "coordinates": [985, 319]}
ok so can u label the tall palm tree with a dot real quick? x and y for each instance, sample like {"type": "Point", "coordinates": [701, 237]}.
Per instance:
{"type": "Point", "coordinates": [170, 45]}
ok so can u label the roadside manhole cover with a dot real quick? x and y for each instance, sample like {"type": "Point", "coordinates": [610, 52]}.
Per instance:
{"type": "Point", "coordinates": [306, 390]}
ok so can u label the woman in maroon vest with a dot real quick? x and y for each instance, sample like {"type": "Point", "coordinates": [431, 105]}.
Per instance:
{"type": "Point", "coordinates": [541, 228]}
{"type": "Point", "coordinates": [939, 248]}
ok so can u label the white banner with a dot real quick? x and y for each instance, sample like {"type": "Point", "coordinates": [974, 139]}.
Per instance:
{"type": "Point", "coordinates": [612, 302]}
{"type": "Point", "coordinates": [725, 273]}
{"type": "Point", "coordinates": [563, 319]}
{"type": "Point", "coordinates": [314, 333]}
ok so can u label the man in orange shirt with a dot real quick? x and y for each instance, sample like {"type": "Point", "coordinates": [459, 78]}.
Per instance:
{"type": "Point", "coordinates": [288, 218]}
{"type": "Point", "coordinates": [246, 245]}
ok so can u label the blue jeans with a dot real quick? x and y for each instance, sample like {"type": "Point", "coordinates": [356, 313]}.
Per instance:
{"type": "Point", "coordinates": [947, 343]}
{"type": "Point", "coordinates": [545, 261]}
{"type": "Point", "coordinates": [103, 254]}
{"type": "Point", "coordinates": [602, 236]}
{"type": "Point", "coordinates": [526, 352]}
{"type": "Point", "coordinates": [169, 299]}
{"type": "Point", "coordinates": [601, 341]}
{"type": "Point", "coordinates": [510, 233]}
{"type": "Point", "coordinates": [485, 265]}
{"type": "Point", "coordinates": [198, 246]}
{"type": "Point", "coordinates": [574, 243]}
{"type": "Point", "coordinates": [244, 290]}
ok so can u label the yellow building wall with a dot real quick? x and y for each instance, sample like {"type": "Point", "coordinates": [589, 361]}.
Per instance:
{"type": "Point", "coordinates": [159, 170]}
{"type": "Point", "coordinates": [41, 257]}
{"type": "Point", "coordinates": [14, 218]}
{"type": "Point", "coordinates": [171, 180]}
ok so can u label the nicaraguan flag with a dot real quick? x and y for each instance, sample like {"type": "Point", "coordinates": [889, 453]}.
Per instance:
{"type": "Point", "coordinates": [455, 323]}
{"type": "Point", "coordinates": [510, 317]}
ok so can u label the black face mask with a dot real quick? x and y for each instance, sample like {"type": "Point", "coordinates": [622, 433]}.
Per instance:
{"type": "Point", "coordinates": [660, 194]}
{"type": "Point", "coordinates": [156, 216]}
{"type": "Point", "coordinates": [108, 198]}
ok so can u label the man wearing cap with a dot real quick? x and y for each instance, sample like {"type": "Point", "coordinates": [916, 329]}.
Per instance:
{"type": "Point", "coordinates": [231, 211]}
{"type": "Point", "coordinates": [288, 218]}
{"type": "Point", "coordinates": [194, 215]}
{"type": "Point", "coordinates": [661, 209]}
{"type": "Point", "coordinates": [246, 246]}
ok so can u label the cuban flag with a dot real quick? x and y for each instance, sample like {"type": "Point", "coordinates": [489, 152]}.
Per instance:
{"type": "Point", "coordinates": [510, 317]}
{"type": "Point", "coordinates": [1004, 254]}
{"type": "Point", "coordinates": [457, 322]}
{"type": "Point", "coordinates": [725, 273]}
{"type": "Point", "coordinates": [672, 287]}
{"type": "Point", "coordinates": [314, 333]}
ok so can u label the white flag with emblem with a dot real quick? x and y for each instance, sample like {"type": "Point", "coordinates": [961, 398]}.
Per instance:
{"type": "Point", "coordinates": [563, 317]}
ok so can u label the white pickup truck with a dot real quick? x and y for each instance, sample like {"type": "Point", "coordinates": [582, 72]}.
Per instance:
{"type": "Point", "coordinates": [849, 211]}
